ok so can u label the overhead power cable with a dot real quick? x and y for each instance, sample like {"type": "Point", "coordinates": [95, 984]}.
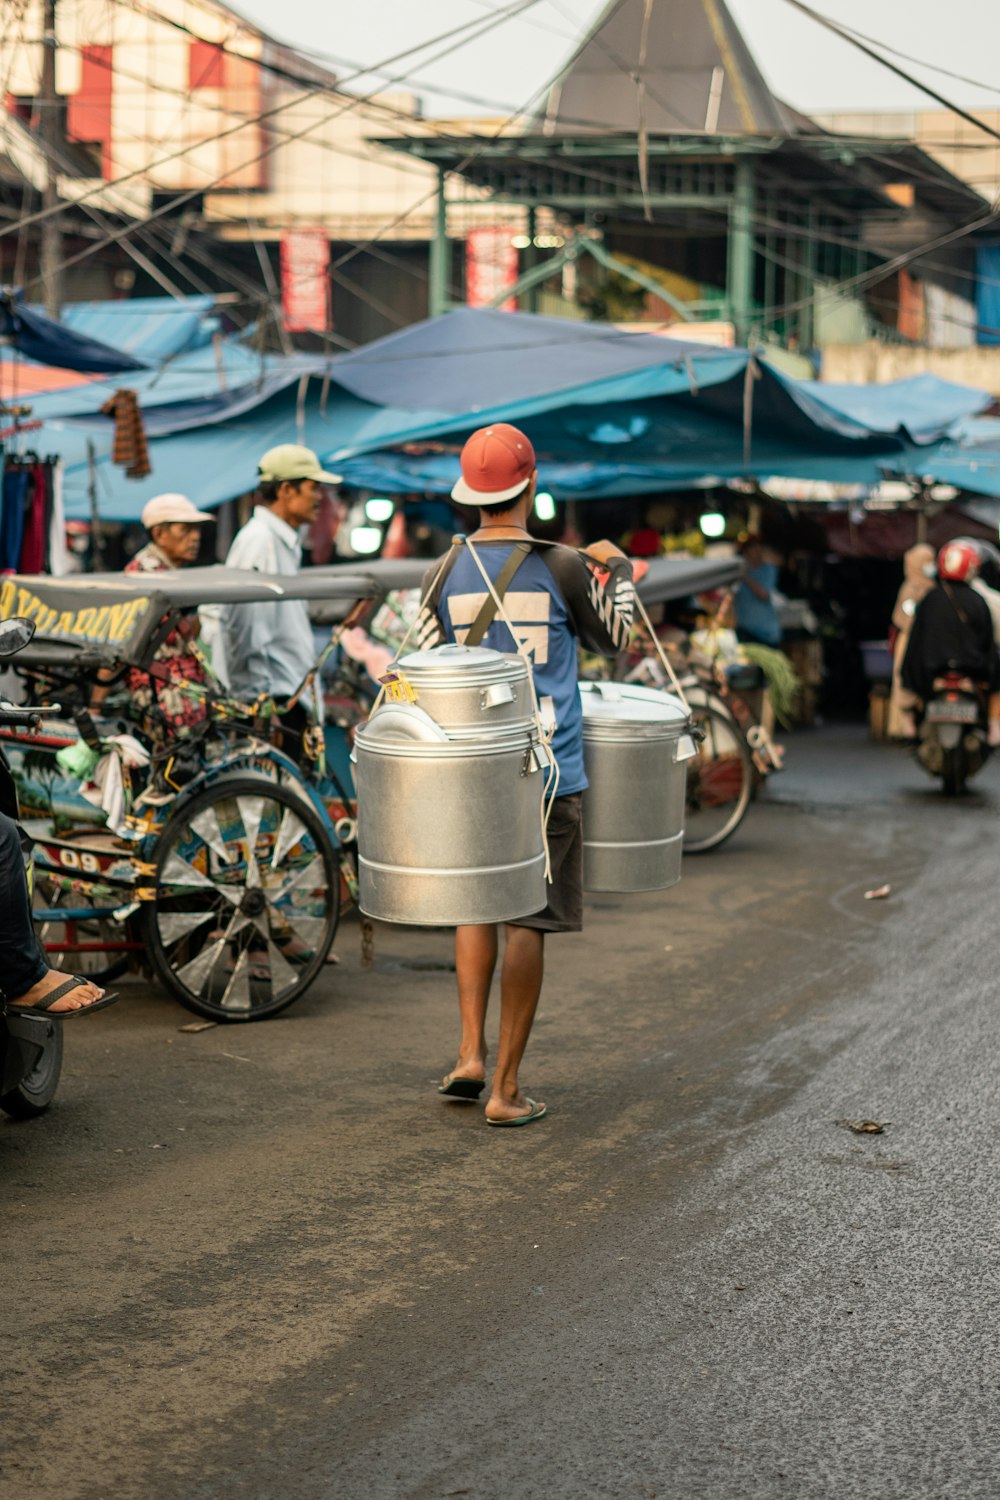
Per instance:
{"type": "Point", "coordinates": [267, 151]}
{"type": "Point", "coordinates": [855, 40]}
{"type": "Point", "coordinates": [477, 28]}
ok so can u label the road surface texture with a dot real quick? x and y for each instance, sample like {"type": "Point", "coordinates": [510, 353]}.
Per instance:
{"type": "Point", "coordinates": [267, 1263]}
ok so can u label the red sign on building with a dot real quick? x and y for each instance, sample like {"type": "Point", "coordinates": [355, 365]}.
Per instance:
{"type": "Point", "coordinates": [491, 265]}
{"type": "Point", "coordinates": [305, 281]}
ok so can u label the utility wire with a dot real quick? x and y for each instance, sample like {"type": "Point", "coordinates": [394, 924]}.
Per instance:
{"type": "Point", "coordinates": [855, 40]}
{"type": "Point", "coordinates": [186, 197]}
{"type": "Point", "coordinates": [478, 27]}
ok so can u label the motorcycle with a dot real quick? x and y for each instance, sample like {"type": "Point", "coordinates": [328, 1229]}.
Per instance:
{"type": "Point", "coordinates": [953, 733]}
{"type": "Point", "coordinates": [31, 1047]}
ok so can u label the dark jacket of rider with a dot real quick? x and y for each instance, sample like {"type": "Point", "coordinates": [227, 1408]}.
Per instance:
{"type": "Point", "coordinates": [952, 632]}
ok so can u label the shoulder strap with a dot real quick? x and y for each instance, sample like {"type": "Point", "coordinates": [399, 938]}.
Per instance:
{"type": "Point", "coordinates": [487, 612]}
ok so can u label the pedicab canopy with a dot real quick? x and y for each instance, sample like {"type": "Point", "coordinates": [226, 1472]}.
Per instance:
{"type": "Point", "coordinates": [98, 619]}
{"type": "Point", "coordinates": [666, 577]}
{"type": "Point", "coordinates": [104, 618]}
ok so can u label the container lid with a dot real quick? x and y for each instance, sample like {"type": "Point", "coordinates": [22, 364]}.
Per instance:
{"type": "Point", "coordinates": [446, 661]}
{"type": "Point", "coordinates": [403, 721]}
{"type": "Point", "coordinates": [627, 705]}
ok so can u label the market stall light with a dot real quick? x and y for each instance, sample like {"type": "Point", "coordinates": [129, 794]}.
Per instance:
{"type": "Point", "coordinates": [366, 539]}
{"type": "Point", "coordinates": [712, 523]}
{"type": "Point", "coordinates": [379, 510]}
{"type": "Point", "coordinates": [545, 506]}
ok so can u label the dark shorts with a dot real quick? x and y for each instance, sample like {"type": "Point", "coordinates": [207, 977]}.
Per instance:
{"type": "Point", "coordinates": [564, 912]}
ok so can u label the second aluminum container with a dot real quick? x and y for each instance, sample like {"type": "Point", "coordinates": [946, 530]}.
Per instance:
{"type": "Point", "coordinates": [636, 745]}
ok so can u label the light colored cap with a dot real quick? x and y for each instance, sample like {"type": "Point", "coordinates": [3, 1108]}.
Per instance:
{"type": "Point", "coordinates": [292, 461]}
{"type": "Point", "coordinates": [163, 509]}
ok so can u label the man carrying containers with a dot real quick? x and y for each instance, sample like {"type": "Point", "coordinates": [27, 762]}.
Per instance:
{"type": "Point", "coordinates": [554, 598]}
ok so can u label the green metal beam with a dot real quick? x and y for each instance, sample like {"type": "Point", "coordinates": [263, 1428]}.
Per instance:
{"type": "Point", "coordinates": [440, 253]}
{"type": "Point", "coordinates": [740, 252]}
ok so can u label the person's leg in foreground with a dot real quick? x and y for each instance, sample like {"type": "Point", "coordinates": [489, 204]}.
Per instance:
{"type": "Point", "coordinates": [520, 987]}
{"type": "Point", "coordinates": [475, 961]}
{"type": "Point", "coordinates": [25, 976]}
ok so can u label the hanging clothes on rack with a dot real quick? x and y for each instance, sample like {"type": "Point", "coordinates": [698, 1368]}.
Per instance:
{"type": "Point", "coordinates": [15, 493]}
{"type": "Point", "coordinates": [33, 543]}
{"type": "Point", "coordinates": [59, 561]}
{"type": "Point", "coordinates": [30, 533]}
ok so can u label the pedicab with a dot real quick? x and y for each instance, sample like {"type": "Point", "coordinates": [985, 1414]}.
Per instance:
{"type": "Point", "coordinates": [221, 869]}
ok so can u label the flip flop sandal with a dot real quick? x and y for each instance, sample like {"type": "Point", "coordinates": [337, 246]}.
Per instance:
{"type": "Point", "coordinates": [537, 1112]}
{"type": "Point", "coordinates": [461, 1088]}
{"type": "Point", "coordinates": [43, 1007]}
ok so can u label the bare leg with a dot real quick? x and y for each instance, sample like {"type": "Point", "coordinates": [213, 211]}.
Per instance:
{"type": "Point", "coordinates": [520, 987]}
{"type": "Point", "coordinates": [475, 960]}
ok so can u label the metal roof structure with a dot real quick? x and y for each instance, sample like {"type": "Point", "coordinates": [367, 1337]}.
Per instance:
{"type": "Point", "coordinates": [662, 66]}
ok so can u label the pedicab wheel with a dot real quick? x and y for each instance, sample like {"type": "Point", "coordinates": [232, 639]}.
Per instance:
{"type": "Point", "coordinates": [719, 781]}
{"type": "Point", "coordinates": [247, 899]}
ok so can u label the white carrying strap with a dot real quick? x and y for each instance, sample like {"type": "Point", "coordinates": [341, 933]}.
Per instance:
{"type": "Point", "coordinates": [428, 592]}
{"type": "Point", "coordinates": [658, 648]}
{"type": "Point", "coordinates": [545, 731]}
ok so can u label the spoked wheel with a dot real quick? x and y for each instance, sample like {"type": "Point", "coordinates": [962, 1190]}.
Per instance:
{"type": "Point", "coordinates": [247, 900]}
{"type": "Point", "coordinates": [719, 782]}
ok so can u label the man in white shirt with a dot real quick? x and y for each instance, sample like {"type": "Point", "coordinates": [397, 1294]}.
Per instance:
{"type": "Point", "coordinates": [268, 648]}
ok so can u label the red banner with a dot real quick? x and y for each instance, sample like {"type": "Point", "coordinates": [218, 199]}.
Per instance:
{"type": "Point", "coordinates": [491, 265]}
{"type": "Point", "coordinates": [305, 282]}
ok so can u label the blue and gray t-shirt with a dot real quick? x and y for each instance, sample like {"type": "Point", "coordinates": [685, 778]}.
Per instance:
{"type": "Point", "coordinates": [555, 601]}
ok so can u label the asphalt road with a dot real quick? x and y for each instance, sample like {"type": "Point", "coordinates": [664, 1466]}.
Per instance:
{"type": "Point", "coordinates": [266, 1261]}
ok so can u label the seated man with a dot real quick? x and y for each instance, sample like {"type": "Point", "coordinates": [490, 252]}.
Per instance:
{"type": "Point", "coordinates": [28, 983]}
{"type": "Point", "coordinates": [158, 698]}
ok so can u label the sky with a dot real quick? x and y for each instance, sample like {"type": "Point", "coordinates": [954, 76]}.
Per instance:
{"type": "Point", "coordinates": [804, 64]}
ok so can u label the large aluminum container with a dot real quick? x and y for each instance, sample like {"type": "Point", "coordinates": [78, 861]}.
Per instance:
{"type": "Point", "coordinates": [470, 691]}
{"type": "Point", "coordinates": [636, 745]}
{"type": "Point", "coordinates": [450, 815]}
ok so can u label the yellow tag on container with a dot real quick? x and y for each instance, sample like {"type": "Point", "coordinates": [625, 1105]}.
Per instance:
{"type": "Point", "coordinates": [398, 688]}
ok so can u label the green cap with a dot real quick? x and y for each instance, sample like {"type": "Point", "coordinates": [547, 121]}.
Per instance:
{"type": "Point", "coordinates": [292, 461]}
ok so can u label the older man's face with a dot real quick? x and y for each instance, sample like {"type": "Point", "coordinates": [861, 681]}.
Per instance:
{"type": "Point", "coordinates": [179, 542]}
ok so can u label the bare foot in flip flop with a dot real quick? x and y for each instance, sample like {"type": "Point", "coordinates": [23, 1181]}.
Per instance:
{"type": "Point", "coordinates": [467, 1078]}
{"type": "Point", "coordinates": [518, 1111]}
{"type": "Point", "coordinates": [75, 994]}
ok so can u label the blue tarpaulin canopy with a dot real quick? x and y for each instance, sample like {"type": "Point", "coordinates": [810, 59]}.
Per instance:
{"type": "Point", "coordinates": [614, 413]}
{"type": "Point", "coordinates": [610, 413]}
{"type": "Point", "coordinates": [151, 329]}
{"type": "Point", "coordinates": [37, 336]}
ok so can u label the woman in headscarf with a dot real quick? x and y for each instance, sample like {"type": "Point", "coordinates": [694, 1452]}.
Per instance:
{"type": "Point", "coordinates": [918, 580]}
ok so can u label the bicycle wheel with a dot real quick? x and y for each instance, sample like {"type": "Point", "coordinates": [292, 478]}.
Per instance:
{"type": "Point", "coordinates": [720, 780]}
{"type": "Point", "coordinates": [247, 899]}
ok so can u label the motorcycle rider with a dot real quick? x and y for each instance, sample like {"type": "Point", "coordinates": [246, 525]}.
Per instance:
{"type": "Point", "coordinates": [953, 632]}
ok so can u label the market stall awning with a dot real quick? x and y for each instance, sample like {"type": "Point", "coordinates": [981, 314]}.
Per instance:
{"type": "Point", "coordinates": [613, 413]}
{"type": "Point", "coordinates": [151, 329]}
{"type": "Point", "coordinates": [34, 334]}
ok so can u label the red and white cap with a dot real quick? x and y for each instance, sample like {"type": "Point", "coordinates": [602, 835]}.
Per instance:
{"type": "Point", "coordinates": [958, 562]}
{"type": "Point", "coordinates": [497, 463]}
